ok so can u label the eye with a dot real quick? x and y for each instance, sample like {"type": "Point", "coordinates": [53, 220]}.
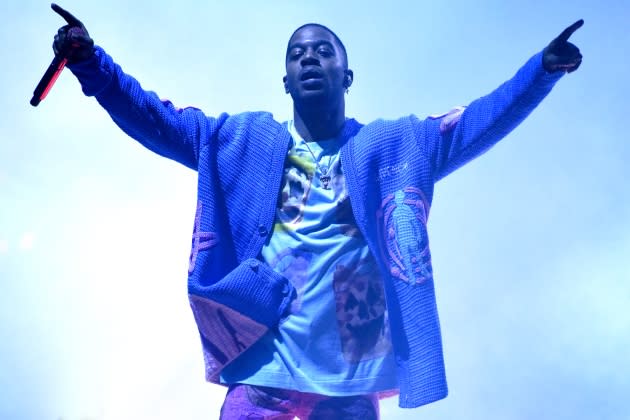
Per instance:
{"type": "Point", "coordinates": [295, 53]}
{"type": "Point", "coordinates": [325, 51]}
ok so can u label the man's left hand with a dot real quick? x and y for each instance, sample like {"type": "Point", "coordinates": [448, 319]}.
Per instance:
{"type": "Point", "coordinates": [561, 55]}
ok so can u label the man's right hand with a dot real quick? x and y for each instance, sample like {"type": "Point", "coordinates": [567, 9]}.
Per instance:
{"type": "Point", "coordinates": [561, 55]}
{"type": "Point", "coordinates": [72, 40]}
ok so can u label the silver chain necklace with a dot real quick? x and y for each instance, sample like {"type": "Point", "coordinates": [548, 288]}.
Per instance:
{"type": "Point", "coordinates": [324, 178]}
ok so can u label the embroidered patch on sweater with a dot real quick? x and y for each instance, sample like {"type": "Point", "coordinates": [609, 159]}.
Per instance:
{"type": "Point", "coordinates": [200, 240]}
{"type": "Point", "coordinates": [225, 333]}
{"type": "Point", "coordinates": [402, 225]}
{"type": "Point", "coordinates": [179, 110]}
{"type": "Point", "coordinates": [449, 119]}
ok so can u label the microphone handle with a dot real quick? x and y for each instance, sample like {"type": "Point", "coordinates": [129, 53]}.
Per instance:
{"type": "Point", "coordinates": [48, 80]}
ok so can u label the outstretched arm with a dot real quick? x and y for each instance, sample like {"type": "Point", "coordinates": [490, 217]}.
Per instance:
{"type": "Point", "coordinates": [465, 133]}
{"type": "Point", "coordinates": [160, 126]}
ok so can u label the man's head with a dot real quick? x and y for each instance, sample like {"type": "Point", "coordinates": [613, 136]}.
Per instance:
{"type": "Point", "coordinates": [317, 67]}
{"type": "Point", "coordinates": [325, 28]}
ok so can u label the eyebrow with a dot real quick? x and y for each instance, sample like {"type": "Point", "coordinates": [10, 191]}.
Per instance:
{"type": "Point", "coordinates": [314, 43]}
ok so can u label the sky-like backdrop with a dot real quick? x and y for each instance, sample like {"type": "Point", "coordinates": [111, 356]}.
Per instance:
{"type": "Point", "coordinates": [530, 242]}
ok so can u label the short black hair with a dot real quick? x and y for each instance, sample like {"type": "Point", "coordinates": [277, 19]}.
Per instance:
{"type": "Point", "coordinates": [327, 29]}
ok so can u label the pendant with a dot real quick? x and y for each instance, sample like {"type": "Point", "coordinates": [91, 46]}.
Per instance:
{"type": "Point", "coordinates": [325, 179]}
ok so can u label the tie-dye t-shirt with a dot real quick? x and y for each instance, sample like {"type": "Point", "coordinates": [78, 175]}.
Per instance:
{"type": "Point", "coordinates": [336, 340]}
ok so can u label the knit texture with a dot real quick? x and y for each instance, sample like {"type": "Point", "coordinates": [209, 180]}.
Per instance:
{"type": "Point", "coordinates": [390, 169]}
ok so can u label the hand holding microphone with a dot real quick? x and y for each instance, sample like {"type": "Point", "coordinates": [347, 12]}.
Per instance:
{"type": "Point", "coordinates": [71, 45]}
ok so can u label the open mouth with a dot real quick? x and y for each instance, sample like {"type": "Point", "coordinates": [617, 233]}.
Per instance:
{"type": "Point", "coordinates": [310, 75]}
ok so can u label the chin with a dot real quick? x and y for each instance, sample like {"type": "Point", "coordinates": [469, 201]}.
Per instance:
{"type": "Point", "coordinates": [311, 100]}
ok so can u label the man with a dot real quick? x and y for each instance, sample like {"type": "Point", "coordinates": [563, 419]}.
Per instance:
{"type": "Point", "coordinates": [310, 275]}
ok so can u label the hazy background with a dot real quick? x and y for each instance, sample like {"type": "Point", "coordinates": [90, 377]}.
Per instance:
{"type": "Point", "coordinates": [531, 242]}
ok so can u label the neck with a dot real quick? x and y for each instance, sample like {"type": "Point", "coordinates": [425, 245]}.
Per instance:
{"type": "Point", "coordinates": [317, 123]}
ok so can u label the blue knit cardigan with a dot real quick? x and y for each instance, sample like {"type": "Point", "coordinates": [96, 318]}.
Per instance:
{"type": "Point", "coordinates": [390, 169]}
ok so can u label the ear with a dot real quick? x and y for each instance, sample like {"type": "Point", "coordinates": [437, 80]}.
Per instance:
{"type": "Point", "coordinates": [286, 87]}
{"type": "Point", "coordinates": [348, 78]}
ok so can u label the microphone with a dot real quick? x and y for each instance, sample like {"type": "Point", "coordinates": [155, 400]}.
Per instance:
{"type": "Point", "coordinates": [48, 79]}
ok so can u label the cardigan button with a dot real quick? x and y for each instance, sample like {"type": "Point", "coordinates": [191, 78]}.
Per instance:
{"type": "Point", "coordinates": [262, 231]}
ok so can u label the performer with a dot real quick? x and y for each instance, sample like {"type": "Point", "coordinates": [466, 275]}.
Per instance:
{"type": "Point", "coordinates": [310, 274]}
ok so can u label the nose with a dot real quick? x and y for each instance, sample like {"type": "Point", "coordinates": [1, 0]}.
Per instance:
{"type": "Point", "coordinates": [309, 58]}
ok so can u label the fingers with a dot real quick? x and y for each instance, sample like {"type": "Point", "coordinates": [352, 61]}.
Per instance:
{"type": "Point", "coordinates": [72, 21]}
{"type": "Point", "coordinates": [568, 59]}
{"type": "Point", "coordinates": [575, 67]}
{"type": "Point", "coordinates": [564, 36]}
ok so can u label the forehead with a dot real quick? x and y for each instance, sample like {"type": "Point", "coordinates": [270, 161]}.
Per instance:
{"type": "Point", "coordinates": [312, 35]}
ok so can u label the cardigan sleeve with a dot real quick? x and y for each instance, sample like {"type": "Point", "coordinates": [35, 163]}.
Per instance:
{"type": "Point", "coordinates": [176, 133]}
{"type": "Point", "coordinates": [453, 139]}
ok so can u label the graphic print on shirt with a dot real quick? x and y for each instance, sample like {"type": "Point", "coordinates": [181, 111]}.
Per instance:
{"type": "Point", "coordinates": [296, 185]}
{"type": "Point", "coordinates": [307, 204]}
{"type": "Point", "coordinates": [294, 265]}
{"type": "Point", "coordinates": [402, 225]}
{"type": "Point", "coordinates": [343, 215]}
{"type": "Point", "coordinates": [361, 311]}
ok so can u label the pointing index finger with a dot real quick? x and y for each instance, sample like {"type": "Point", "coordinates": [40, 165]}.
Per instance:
{"type": "Point", "coordinates": [564, 36]}
{"type": "Point", "coordinates": [69, 17]}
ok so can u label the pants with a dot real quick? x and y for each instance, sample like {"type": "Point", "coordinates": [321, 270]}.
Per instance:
{"type": "Point", "coordinates": [244, 402]}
